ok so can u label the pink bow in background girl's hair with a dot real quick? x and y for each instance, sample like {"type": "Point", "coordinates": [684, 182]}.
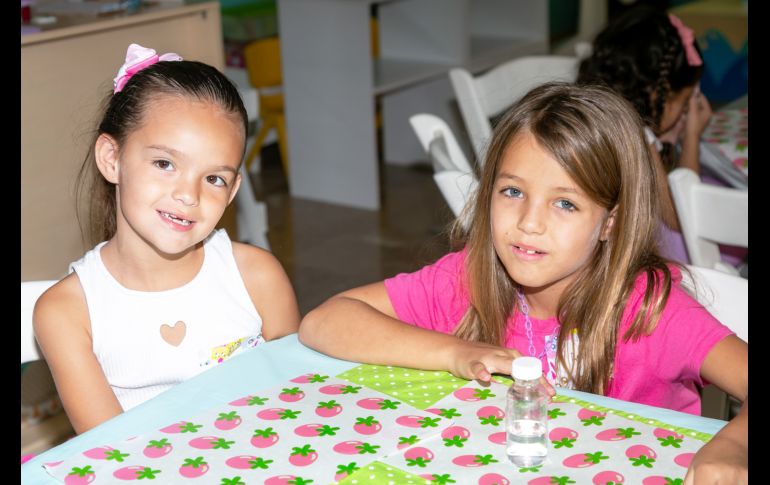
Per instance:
{"type": "Point", "coordinates": [137, 58]}
{"type": "Point", "coordinates": [688, 40]}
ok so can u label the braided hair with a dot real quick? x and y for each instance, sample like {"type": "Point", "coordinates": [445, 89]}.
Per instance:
{"type": "Point", "coordinates": [640, 56]}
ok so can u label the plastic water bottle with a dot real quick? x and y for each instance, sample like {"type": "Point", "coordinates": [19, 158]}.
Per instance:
{"type": "Point", "coordinates": [526, 414]}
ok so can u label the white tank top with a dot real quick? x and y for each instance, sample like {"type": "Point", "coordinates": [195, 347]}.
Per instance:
{"type": "Point", "coordinates": [134, 332]}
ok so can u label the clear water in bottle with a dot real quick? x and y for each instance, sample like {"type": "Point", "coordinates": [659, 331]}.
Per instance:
{"type": "Point", "coordinates": [526, 443]}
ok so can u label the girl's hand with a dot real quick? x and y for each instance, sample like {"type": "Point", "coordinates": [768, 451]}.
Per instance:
{"type": "Point", "coordinates": [698, 115]}
{"type": "Point", "coordinates": [720, 460]}
{"type": "Point", "coordinates": [476, 360]}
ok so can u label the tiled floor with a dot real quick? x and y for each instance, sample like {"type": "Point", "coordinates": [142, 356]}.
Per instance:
{"type": "Point", "coordinates": [327, 248]}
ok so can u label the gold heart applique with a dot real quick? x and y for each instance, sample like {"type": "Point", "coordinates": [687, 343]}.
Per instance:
{"type": "Point", "coordinates": [173, 335]}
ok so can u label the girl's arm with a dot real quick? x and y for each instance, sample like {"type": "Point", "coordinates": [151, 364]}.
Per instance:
{"type": "Point", "coordinates": [667, 209]}
{"type": "Point", "coordinates": [724, 459]}
{"type": "Point", "coordinates": [63, 331]}
{"type": "Point", "coordinates": [361, 325]}
{"type": "Point", "coordinates": [696, 120]}
{"type": "Point", "coordinates": [270, 290]}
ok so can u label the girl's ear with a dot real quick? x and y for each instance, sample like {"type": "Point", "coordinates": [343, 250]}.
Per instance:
{"type": "Point", "coordinates": [107, 157]}
{"type": "Point", "coordinates": [607, 229]}
{"type": "Point", "coordinates": [236, 186]}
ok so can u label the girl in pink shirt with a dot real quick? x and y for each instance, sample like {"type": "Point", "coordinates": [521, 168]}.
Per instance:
{"type": "Point", "coordinates": [556, 259]}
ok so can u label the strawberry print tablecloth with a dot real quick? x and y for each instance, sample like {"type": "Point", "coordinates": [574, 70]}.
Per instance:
{"type": "Point", "coordinates": [314, 429]}
{"type": "Point", "coordinates": [729, 131]}
{"type": "Point", "coordinates": [588, 444]}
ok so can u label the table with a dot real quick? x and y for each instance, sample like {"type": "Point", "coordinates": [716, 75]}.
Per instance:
{"type": "Point", "coordinates": [725, 144]}
{"type": "Point", "coordinates": [269, 365]}
{"type": "Point", "coordinates": [332, 83]}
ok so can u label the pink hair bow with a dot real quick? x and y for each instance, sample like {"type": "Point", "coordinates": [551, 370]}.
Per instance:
{"type": "Point", "coordinates": [137, 58]}
{"type": "Point", "coordinates": [688, 40]}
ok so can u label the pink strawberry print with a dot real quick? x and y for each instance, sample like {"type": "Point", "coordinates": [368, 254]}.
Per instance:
{"type": "Point", "coordinates": [80, 476]}
{"type": "Point", "coordinates": [227, 421]}
{"type": "Point", "coordinates": [551, 480]}
{"type": "Point", "coordinates": [617, 434]}
{"type": "Point", "coordinates": [302, 456]}
{"type": "Point", "coordinates": [367, 425]}
{"type": "Point", "coordinates": [157, 448]}
{"type": "Point", "coordinates": [98, 453]}
{"type": "Point", "coordinates": [438, 479]}
{"type": "Point", "coordinates": [455, 436]}
{"type": "Point", "coordinates": [106, 453]}
{"type": "Point", "coordinates": [292, 394]}
{"type": "Point", "coordinates": [344, 471]}
{"type": "Point", "coordinates": [493, 479]}
{"type": "Point", "coordinates": [377, 403]}
{"type": "Point", "coordinates": [135, 472]}
{"type": "Point", "coordinates": [328, 409]}
{"type": "Point", "coordinates": [491, 415]}
{"type": "Point", "coordinates": [583, 460]}
{"type": "Point", "coordinates": [473, 461]}
{"type": "Point", "coordinates": [684, 459]}
{"type": "Point", "coordinates": [355, 448]}
{"type": "Point", "coordinates": [562, 437]}
{"type": "Point", "coordinates": [287, 480]}
{"type": "Point", "coordinates": [472, 394]}
{"type": "Point", "coordinates": [193, 467]}
{"type": "Point", "coordinates": [278, 413]}
{"type": "Point", "coordinates": [608, 478]}
{"type": "Point", "coordinates": [641, 455]}
{"type": "Point", "coordinates": [668, 438]}
{"type": "Point", "coordinates": [210, 443]}
{"type": "Point", "coordinates": [413, 421]}
{"type": "Point", "coordinates": [264, 438]}
{"type": "Point", "coordinates": [448, 413]}
{"type": "Point", "coordinates": [248, 462]}
{"type": "Point", "coordinates": [181, 427]}
{"type": "Point", "coordinates": [315, 429]}
{"type": "Point", "coordinates": [309, 378]}
{"type": "Point", "coordinates": [406, 441]}
{"type": "Point", "coordinates": [335, 389]}
{"type": "Point", "coordinates": [249, 401]}
{"type": "Point", "coordinates": [418, 456]}
{"type": "Point", "coordinates": [589, 417]}
{"type": "Point", "coordinates": [661, 480]}
{"type": "Point", "coordinates": [497, 438]}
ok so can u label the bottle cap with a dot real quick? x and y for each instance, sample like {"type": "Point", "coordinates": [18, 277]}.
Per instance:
{"type": "Point", "coordinates": [526, 368]}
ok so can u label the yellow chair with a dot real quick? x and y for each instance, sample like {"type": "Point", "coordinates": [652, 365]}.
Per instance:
{"type": "Point", "coordinates": [263, 64]}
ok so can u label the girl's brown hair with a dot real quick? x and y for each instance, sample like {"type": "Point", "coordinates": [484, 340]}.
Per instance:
{"type": "Point", "coordinates": [597, 138]}
{"type": "Point", "coordinates": [123, 113]}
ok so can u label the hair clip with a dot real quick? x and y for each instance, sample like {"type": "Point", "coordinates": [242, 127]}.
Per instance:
{"type": "Point", "coordinates": [137, 58]}
{"type": "Point", "coordinates": [688, 40]}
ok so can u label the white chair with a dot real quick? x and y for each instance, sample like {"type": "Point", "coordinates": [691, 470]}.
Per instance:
{"type": "Point", "coordinates": [30, 292]}
{"type": "Point", "coordinates": [251, 214]}
{"type": "Point", "coordinates": [724, 295]}
{"type": "Point", "coordinates": [451, 171]}
{"type": "Point", "coordinates": [709, 215]}
{"type": "Point", "coordinates": [491, 93]}
{"type": "Point", "coordinates": [456, 187]}
{"type": "Point", "coordinates": [727, 298]}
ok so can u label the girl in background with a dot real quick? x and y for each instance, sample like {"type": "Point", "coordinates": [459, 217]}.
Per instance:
{"type": "Point", "coordinates": [652, 59]}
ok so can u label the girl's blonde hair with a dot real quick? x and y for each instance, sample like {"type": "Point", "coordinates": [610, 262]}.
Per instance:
{"type": "Point", "coordinates": [597, 137]}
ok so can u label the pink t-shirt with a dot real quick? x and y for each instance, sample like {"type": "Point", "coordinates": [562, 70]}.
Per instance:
{"type": "Point", "coordinates": [661, 369]}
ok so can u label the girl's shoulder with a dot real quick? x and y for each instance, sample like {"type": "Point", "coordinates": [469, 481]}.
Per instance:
{"type": "Point", "coordinates": [63, 306]}
{"type": "Point", "coordinates": [679, 301]}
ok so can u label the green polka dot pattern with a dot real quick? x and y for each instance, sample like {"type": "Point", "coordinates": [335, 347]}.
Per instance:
{"type": "Point", "coordinates": [417, 388]}
{"type": "Point", "coordinates": [381, 474]}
